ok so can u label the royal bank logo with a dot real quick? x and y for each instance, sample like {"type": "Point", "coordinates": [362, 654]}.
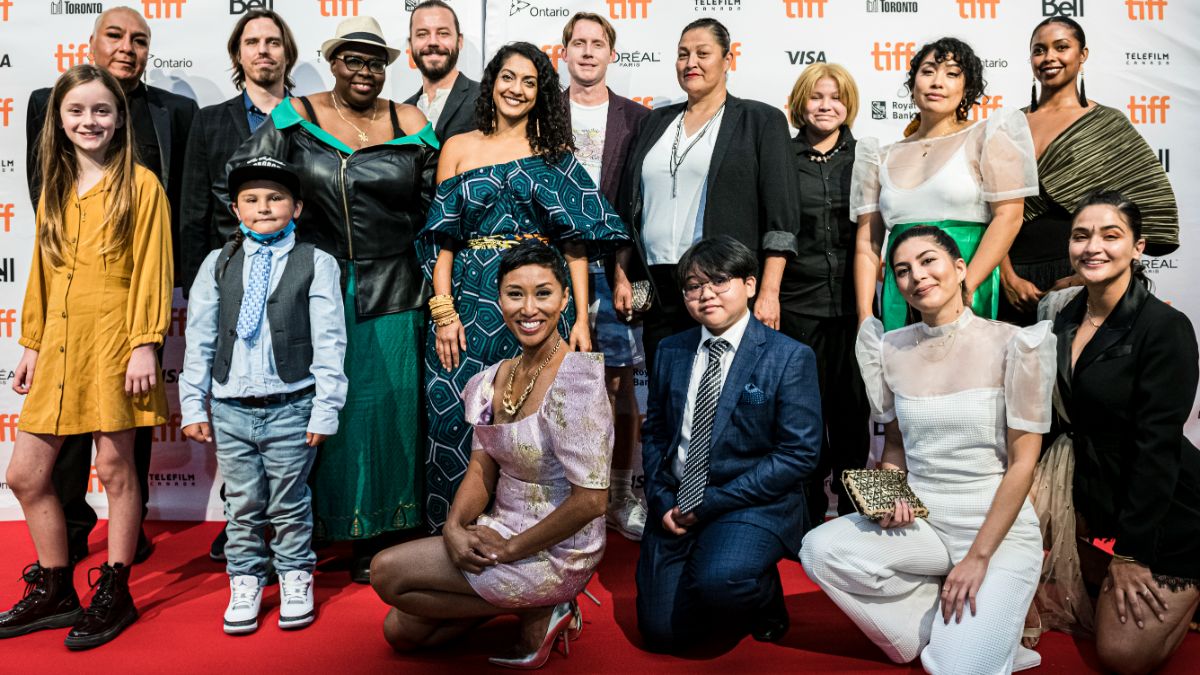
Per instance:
{"type": "Point", "coordinates": [1062, 8]}
{"type": "Point", "coordinates": [1149, 109]}
{"type": "Point", "coordinates": [887, 6]}
{"type": "Point", "coordinates": [719, 5]}
{"type": "Point", "coordinates": [242, 6]}
{"type": "Point", "coordinates": [8, 270]}
{"type": "Point", "coordinates": [637, 59]}
{"type": "Point", "coordinates": [519, 6]}
{"type": "Point", "coordinates": [804, 58]}
{"type": "Point", "coordinates": [1147, 58]}
{"type": "Point", "coordinates": [893, 110]}
{"type": "Point", "coordinates": [879, 110]}
{"type": "Point", "coordinates": [68, 7]}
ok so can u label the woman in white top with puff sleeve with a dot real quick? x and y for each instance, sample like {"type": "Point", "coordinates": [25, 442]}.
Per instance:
{"type": "Point", "coordinates": [968, 178]}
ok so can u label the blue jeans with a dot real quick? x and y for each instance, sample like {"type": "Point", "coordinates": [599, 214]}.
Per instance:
{"type": "Point", "coordinates": [265, 462]}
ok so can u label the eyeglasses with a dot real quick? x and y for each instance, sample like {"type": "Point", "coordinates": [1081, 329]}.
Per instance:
{"type": "Point", "coordinates": [718, 285]}
{"type": "Point", "coordinates": [355, 64]}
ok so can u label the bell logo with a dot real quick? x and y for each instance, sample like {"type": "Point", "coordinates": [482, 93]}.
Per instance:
{"type": "Point", "coordinates": [339, 7]}
{"type": "Point", "coordinates": [646, 101]}
{"type": "Point", "coordinates": [1145, 10]}
{"type": "Point", "coordinates": [1149, 109]}
{"type": "Point", "coordinates": [893, 55]}
{"type": "Point", "coordinates": [6, 108]}
{"type": "Point", "coordinates": [178, 325]}
{"type": "Point", "coordinates": [163, 9]}
{"type": "Point", "coordinates": [8, 428]}
{"type": "Point", "coordinates": [554, 52]}
{"type": "Point", "coordinates": [628, 9]}
{"type": "Point", "coordinates": [980, 110]}
{"type": "Point", "coordinates": [805, 9]}
{"type": "Point", "coordinates": [4, 5]}
{"type": "Point", "coordinates": [977, 9]}
{"type": "Point", "coordinates": [71, 55]}
{"type": "Point", "coordinates": [6, 214]}
{"type": "Point", "coordinates": [8, 320]}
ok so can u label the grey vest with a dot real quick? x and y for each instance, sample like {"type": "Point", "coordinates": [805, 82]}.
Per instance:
{"type": "Point", "coordinates": [287, 311]}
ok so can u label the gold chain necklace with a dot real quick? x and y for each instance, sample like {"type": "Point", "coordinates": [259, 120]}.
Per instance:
{"type": "Point", "coordinates": [1091, 318]}
{"type": "Point", "coordinates": [511, 409]}
{"type": "Point", "coordinates": [362, 135]}
{"type": "Point", "coordinates": [931, 345]}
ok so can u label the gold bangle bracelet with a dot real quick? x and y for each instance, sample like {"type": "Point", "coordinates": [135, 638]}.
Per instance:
{"type": "Point", "coordinates": [445, 321]}
{"type": "Point", "coordinates": [1128, 559]}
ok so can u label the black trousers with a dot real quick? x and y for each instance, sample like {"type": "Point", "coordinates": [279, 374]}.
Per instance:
{"type": "Point", "coordinates": [846, 443]}
{"type": "Point", "coordinates": [73, 471]}
{"type": "Point", "coordinates": [709, 582]}
{"type": "Point", "coordinates": [669, 314]}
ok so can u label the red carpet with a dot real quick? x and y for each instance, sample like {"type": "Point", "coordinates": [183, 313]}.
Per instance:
{"type": "Point", "coordinates": [182, 595]}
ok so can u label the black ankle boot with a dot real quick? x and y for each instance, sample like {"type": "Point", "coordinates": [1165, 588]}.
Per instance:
{"type": "Point", "coordinates": [111, 611]}
{"type": "Point", "coordinates": [49, 602]}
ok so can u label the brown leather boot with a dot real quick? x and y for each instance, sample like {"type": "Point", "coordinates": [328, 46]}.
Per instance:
{"type": "Point", "coordinates": [49, 602]}
{"type": "Point", "coordinates": [111, 611]}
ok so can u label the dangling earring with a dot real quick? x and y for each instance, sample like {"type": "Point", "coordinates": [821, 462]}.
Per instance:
{"type": "Point", "coordinates": [1082, 94]}
{"type": "Point", "coordinates": [1033, 96]}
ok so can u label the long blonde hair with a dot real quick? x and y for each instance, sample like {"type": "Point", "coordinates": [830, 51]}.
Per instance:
{"type": "Point", "coordinates": [60, 169]}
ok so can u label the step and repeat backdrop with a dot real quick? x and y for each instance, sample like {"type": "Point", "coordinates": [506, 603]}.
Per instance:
{"type": "Point", "coordinates": [1144, 60]}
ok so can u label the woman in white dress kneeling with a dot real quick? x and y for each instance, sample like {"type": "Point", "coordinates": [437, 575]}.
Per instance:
{"type": "Point", "coordinates": [964, 402]}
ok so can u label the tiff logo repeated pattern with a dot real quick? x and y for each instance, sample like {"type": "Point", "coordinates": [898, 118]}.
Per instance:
{"type": "Point", "coordinates": [802, 9]}
{"type": "Point", "coordinates": [1145, 10]}
{"type": "Point", "coordinates": [163, 9]}
{"type": "Point", "coordinates": [628, 9]}
{"type": "Point", "coordinates": [977, 9]}
{"type": "Point", "coordinates": [893, 55]}
{"type": "Point", "coordinates": [339, 7]}
{"type": "Point", "coordinates": [1152, 112]}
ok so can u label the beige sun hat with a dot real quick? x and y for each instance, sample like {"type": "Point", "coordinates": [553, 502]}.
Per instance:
{"type": "Point", "coordinates": [363, 30]}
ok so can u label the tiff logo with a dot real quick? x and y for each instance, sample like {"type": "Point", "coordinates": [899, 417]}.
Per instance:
{"type": "Point", "coordinates": [8, 321]}
{"type": "Point", "coordinates": [339, 7]}
{"type": "Point", "coordinates": [801, 9]}
{"type": "Point", "coordinates": [4, 5]}
{"type": "Point", "coordinates": [893, 56]}
{"type": "Point", "coordinates": [169, 431]}
{"type": "Point", "coordinates": [628, 9]}
{"type": "Point", "coordinates": [735, 50]}
{"type": "Point", "coordinates": [554, 53]}
{"type": "Point", "coordinates": [1153, 111]}
{"type": "Point", "coordinates": [977, 9]}
{"type": "Point", "coordinates": [986, 105]}
{"type": "Point", "coordinates": [8, 428]}
{"type": "Point", "coordinates": [6, 214]}
{"type": "Point", "coordinates": [178, 325]}
{"type": "Point", "coordinates": [1145, 10]}
{"type": "Point", "coordinates": [8, 270]}
{"type": "Point", "coordinates": [94, 484]}
{"type": "Point", "coordinates": [6, 108]}
{"type": "Point", "coordinates": [163, 9]}
{"type": "Point", "coordinates": [646, 101]}
{"type": "Point", "coordinates": [71, 55]}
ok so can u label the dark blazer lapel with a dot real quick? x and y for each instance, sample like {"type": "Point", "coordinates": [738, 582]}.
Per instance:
{"type": "Point", "coordinates": [744, 360]}
{"type": "Point", "coordinates": [615, 133]}
{"type": "Point", "coordinates": [729, 124]}
{"type": "Point", "coordinates": [160, 118]}
{"type": "Point", "coordinates": [1116, 326]}
{"type": "Point", "coordinates": [454, 101]}
{"type": "Point", "coordinates": [237, 114]}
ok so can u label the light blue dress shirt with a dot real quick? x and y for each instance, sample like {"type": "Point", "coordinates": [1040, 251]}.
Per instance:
{"type": "Point", "coordinates": [252, 370]}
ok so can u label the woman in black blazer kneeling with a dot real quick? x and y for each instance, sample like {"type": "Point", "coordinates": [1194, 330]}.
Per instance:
{"type": "Point", "coordinates": [714, 164]}
{"type": "Point", "coordinates": [1127, 376]}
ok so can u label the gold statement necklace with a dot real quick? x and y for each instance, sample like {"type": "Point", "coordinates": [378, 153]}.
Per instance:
{"type": "Point", "coordinates": [510, 408]}
{"type": "Point", "coordinates": [362, 135]}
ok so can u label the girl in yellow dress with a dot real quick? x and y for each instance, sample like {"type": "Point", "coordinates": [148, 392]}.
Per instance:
{"type": "Point", "coordinates": [96, 308]}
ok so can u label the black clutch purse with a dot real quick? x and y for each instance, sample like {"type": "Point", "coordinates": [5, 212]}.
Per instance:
{"type": "Point", "coordinates": [874, 492]}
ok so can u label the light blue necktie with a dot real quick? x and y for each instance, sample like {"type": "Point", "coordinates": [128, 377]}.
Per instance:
{"type": "Point", "coordinates": [254, 298]}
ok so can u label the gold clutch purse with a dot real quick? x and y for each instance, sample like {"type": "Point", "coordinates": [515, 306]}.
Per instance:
{"type": "Point", "coordinates": [874, 492]}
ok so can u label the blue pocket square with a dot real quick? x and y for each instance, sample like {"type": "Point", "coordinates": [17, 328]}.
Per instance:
{"type": "Point", "coordinates": [752, 395]}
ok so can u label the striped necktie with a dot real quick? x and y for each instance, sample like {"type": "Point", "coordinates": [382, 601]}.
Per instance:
{"type": "Point", "coordinates": [695, 469]}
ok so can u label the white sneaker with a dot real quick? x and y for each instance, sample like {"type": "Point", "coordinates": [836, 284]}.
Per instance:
{"type": "Point", "coordinates": [627, 516]}
{"type": "Point", "coordinates": [295, 599]}
{"type": "Point", "coordinates": [1026, 659]}
{"type": "Point", "coordinates": [245, 597]}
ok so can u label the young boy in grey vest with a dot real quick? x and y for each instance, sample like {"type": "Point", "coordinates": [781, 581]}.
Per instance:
{"type": "Point", "coordinates": [266, 340]}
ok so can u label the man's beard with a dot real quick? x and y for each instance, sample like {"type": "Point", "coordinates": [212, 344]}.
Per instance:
{"type": "Point", "coordinates": [265, 77]}
{"type": "Point", "coordinates": [440, 72]}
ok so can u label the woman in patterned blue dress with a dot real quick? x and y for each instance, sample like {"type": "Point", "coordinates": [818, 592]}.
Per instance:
{"type": "Point", "coordinates": [513, 179]}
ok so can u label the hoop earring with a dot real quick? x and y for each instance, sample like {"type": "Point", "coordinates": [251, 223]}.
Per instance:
{"type": "Point", "coordinates": [1033, 97]}
{"type": "Point", "coordinates": [1082, 93]}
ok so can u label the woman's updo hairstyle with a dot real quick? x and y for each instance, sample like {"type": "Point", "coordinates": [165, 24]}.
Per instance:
{"type": "Point", "coordinates": [938, 236]}
{"type": "Point", "coordinates": [718, 29]}
{"type": "Point", "coordinates": [532, 252]}
{"type": "Point", "coordinates": [1130, 213]}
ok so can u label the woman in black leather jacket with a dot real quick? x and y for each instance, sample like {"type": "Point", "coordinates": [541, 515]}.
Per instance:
{"type": "Point", "coordinates": [368, 166]}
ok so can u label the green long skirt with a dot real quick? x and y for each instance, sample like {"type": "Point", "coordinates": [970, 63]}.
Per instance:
{"type": "Point", "coordinates": [366, 480]}
{"type": "Point", "coordinates": [985, 302]}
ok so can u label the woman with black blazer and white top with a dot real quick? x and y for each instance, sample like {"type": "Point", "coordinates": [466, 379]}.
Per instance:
{"type": "Point", "coordinates": [715, 164]}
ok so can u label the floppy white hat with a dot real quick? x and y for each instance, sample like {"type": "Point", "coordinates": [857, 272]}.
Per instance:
{"type": "Point", "coordinates": [360, 30]}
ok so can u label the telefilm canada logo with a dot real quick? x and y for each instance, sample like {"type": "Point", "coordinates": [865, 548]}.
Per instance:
{"type": "Point", "coordinates": [67, 7]}
{"type": "Point", "coordinates": [1147, 58]}
{"type": "Point", "coordinates": [893, 7]}
{"type": "Point", "coordinates": [721, 5]}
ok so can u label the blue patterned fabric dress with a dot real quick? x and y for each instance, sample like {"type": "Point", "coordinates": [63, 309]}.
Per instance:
{"type": "Point", "coordinates": [525, 197]}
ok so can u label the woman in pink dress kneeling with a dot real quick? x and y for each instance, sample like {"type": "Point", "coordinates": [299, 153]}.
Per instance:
{"type": "Point", "coordinates": [542, 445]}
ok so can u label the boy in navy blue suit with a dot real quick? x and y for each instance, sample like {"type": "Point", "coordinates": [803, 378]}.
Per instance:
{"type": "Point", "coordinates": [732, 431]}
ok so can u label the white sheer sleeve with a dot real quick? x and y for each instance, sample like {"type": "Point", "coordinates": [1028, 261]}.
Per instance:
{"type": "Point", "coordinates": [1029, 372]}
{"type": "Point", "coordinates": [1007, 163]}
{"type": "Point", "coordinates": [864, 181]}
{"type": "Point", "coordinates": [869, 349]}
{"type": "Point", "coordinates": [1053, 302]}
